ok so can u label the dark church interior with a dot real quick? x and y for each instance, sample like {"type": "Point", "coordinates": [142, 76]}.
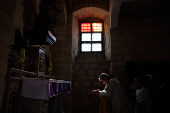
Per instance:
{"type": "Point", "coordinates": [52, 53]}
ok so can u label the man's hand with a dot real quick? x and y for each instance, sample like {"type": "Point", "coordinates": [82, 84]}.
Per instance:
{"type": "Point", "coordinates": [95, 92]}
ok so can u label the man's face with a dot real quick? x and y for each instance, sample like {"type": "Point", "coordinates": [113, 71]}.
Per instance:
{"type": "Point", "coordinates": [104, 80]}
{"type": "Point", "coordinates": [137, 82]}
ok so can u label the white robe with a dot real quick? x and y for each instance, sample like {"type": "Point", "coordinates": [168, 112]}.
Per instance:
{"type": "Point", "coordinates": [119, 99]}
{"type": "Point", "coordinates": [143, 101]}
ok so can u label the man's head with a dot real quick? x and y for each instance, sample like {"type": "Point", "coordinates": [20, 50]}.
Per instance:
{"type": "Point", "coordinates": [104, 78]}
{"type": "Point", "coordinates": [137, 82]}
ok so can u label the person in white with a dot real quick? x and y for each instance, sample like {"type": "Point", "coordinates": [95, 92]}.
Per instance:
{"type": "Point", "coordinates": [114, 90]}
{"type": "Point", "coordinates": [142, 98]}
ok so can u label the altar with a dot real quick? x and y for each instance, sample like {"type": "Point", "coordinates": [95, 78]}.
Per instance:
{"type": "Point", "coordinates": [43, 88]}
{"type": "Point", "coordinates": [33, 89]}
{"type": "Point", "coordinates": [43, 95]}
{"type": "Point", "coordinates": [30, 85]}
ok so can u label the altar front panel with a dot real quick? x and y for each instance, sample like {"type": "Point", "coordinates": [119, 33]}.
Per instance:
{"type": "Point", "coordinates": [58, 87]}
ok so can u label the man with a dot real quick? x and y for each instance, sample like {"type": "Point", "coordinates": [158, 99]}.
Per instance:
{"type": "Point", "coordinates": [114, 90]}
{"type": "Point", "coordinates": [142, 97]}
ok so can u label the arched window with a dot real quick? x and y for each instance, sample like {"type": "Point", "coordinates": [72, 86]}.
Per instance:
{"type": "Point", "coordinates": [91, 37]}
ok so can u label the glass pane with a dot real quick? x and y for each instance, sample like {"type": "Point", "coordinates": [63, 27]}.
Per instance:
{"type": "Point", "coordinates": [85, 27]}
{"type": "Point", "coordinates": [96, 36]}
{"type": "Point", "coordinates": [86, 37]}
{"type": "Point", "coordinates": [96, 27]}
{"type": "Point", "coordinates": [96, 47]}
{"type": "Point", "coordinates": [85, 47]}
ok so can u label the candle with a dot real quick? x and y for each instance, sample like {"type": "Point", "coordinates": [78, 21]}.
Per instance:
{"type": "Point", "coordinates": [50, 66]}
{"type": "Point", "coordinates": [22, 55]}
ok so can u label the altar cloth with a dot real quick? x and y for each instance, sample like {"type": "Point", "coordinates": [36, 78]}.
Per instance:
{"type": "Point", "coordinates": [58, 87]}
{"type": "Point", "coordinates": [43, 88]}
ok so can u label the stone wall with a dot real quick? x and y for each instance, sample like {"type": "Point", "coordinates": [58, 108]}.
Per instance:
{"type": "Point", "coordinates": [139, 37]}
{"type": "Point", "coordinates": [86, 70]}
{"type": "Point", "coordinates": [6, 22]}
{"type": "Point", "coordinates": [61, 50]}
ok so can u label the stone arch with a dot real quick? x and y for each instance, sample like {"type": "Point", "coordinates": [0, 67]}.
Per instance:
{"type": "Point", "coordinates": [78, 4]}
{"type": "Point", "coordinates": [93, 12]}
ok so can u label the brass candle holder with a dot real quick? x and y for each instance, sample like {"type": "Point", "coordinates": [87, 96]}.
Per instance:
{"type": "Point", "coordinates": [50, 65]}
{"type": "Point", "coordinates": [22, 59]}
{"type": "Point", "coordinates": [21, 65]}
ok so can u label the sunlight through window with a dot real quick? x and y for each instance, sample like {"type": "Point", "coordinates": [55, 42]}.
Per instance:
{"type": "Point", "coordinates": [91, 37]}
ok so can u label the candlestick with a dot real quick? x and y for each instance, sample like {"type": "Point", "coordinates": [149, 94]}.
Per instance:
{"type": "Point", "coordinates": [22, 55]}
{"type": "Point", "coordinates": [22, 58]}
{"type": "Point", "coordinates": [50, 65]}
